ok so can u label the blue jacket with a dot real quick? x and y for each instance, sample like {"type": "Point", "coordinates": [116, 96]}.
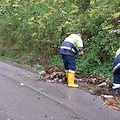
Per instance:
{"type": "Point", "coordinates": [71, 45]}
{"type": "Point", "coordinates": [116, 64]}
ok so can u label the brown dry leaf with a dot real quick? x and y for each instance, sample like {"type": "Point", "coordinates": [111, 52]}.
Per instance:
{"type": "Point", "coordinates": [113, 101]}
{"type": "Point", "coordinates": [47, 77]}
{"type": "Point", "coordinates": [91, 91]}
{"type": "Point", "coordinates": [106, 102]}
{"type": "Point", "coordinates": [93, 80]}
{"type": "Point", "coordinates": [53, 75]}
{"type": "Point", "coordinates": [27, 76]}
{"type": "Point", "coordinates": [115, 108]}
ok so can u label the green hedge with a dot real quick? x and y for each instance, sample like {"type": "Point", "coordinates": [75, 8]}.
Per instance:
{"type": "Point", "coordinates": [35, 29]}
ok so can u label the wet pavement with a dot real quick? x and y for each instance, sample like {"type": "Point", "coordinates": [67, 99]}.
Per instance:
{"type": "Point", "coordinates": [25, 98]}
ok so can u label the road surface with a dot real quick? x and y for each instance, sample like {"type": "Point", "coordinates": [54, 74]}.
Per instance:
{"type": "Point", "coordinates": [22, 97]}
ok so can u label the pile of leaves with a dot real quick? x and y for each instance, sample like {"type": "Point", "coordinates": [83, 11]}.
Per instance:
{"type": "Point", "coordinates": [94, 85]}
{"type": "Point", "coordinates": [52, 75]}
{"type": "Point", "coordinates": [111, 101]}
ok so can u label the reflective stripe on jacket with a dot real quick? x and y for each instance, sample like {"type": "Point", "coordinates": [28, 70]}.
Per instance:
{"type": "Point", "coordinates": [117, 52]}
{"type": "Point", "coordinates": [71, 45]}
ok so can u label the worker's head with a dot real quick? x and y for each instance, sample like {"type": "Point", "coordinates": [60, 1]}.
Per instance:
{"type": "Point", "coordinates": [80, 34]}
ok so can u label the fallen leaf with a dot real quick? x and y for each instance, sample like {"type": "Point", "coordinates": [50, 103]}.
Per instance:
{"type": "Point", "coordinates": [115, 108]}
{"type": "Point", "coordinates": [27, 76]}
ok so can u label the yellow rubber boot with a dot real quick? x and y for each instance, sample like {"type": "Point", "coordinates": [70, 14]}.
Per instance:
{"type": "Point", "coordinates": [71, 79]}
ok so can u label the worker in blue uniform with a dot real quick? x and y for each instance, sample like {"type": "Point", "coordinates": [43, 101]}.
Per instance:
{"type": "Point", "coordinates": [70, 47]}
{"type": "Point", "coordinates": [116, 72]}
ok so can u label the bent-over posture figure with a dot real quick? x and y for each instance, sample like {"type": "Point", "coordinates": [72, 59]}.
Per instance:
{"type": "Point", "coordinates": [70, 47]}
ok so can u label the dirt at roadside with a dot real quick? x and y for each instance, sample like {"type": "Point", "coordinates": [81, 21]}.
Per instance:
{"type": "Point", "coordinates": [94, 85]}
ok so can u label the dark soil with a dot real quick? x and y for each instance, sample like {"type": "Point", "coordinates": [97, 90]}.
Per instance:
{"type": "Point", "coordinates": [94, 85]}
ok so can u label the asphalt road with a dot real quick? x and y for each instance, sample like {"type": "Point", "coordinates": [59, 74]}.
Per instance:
{"type": "Point", "coordinates": [22, 97]}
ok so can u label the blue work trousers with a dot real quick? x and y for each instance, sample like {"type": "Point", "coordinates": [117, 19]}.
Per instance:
{"type": "Point", "coordinates": [117, 76]}
{"type": "Point", "coordinates": [69, 63]}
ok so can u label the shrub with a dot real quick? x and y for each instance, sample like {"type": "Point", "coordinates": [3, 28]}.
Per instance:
{"type": "Point", "coordinates": [37, 28]}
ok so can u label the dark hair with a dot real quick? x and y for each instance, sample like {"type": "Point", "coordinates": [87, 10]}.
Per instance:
{"type": "Point", "coordinates": [80, 33]}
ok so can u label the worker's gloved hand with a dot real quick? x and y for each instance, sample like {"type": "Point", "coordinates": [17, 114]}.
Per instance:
{"type": "Point", "coordinates": [81, 53]}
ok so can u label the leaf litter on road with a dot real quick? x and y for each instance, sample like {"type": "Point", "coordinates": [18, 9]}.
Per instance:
{"type": "Point", "coordinates": [95, 85]}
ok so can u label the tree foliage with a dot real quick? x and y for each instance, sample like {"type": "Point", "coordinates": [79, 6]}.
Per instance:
{"type": "Point", "coordinates": [36, 28]}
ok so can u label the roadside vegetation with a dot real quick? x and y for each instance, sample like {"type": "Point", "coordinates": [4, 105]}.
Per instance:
{"type": "Point", "coordinates": [31, 32]}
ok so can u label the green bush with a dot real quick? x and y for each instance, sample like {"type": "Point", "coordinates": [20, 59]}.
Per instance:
{"type": "Point", "coordinates": [36, 28]}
